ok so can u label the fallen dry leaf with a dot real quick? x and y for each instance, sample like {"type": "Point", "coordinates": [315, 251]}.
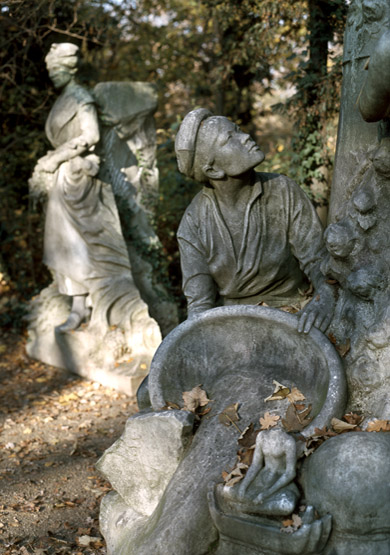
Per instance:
{"type": "Point", "coordinates": [170, 405]}
{"type": "Point", "coordinates": [280, 392]}
{"type": "Point", "coordinates": [205, 411]}
{"type": "Point", "coordinates": [344, 349]}
{"type": "Point", "coordinates": [85, 540]}
{"type": "Point", "coordinates": [268, 421]}
{"type": "Point", "coordinates": [195, 398]}
{"type": "Point", "coordinates": [292, 524]}
{"type": "Point", "coordinates": [340, 426]}
{"type": "Point", "coordinates": [229, 416]}
{"type": "Point", "coordinates": [378, 426]}
{"type": "Point", "coordinates": [332, 338]}
{"type": "Point", "coordinates": [353, 418]}
{"type": "Point", "coordinates": [295, 395]}
{"type": "Point", "coordinates": [323, 432]}
{"type": "Point", "coordinates": [246, 455]}
{"type": "Point", "coordinates": [297, 521]}
{"type": "Point", "coordinates": [248, 437]}
{"type": "Point", "coordinates": [236, 475]}
{"type": "Point", "coordinates": [292, 309]}
{"type": "Point", "coordinates": [295, 420]}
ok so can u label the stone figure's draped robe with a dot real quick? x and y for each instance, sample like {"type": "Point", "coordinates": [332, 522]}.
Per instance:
{"type": "Point", "coordinates": [83, 241]}
{"type": "Point", "coordinates": [281, 241]}
{"type": "Point", "coordinates": [65, 249]}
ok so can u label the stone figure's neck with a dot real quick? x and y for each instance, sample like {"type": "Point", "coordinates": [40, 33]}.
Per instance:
{"type": "Point", "coordinates": [70, 86]}
{"type": "Point", "coordinates": [230, 189]}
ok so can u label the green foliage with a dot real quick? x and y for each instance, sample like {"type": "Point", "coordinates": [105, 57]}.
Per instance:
{"type": "Point", "coordinates": [175, 194]}
{"type": "Point", "coordinates": [315, 105]}
{"type": "Point", "coordinates": [219, 54]}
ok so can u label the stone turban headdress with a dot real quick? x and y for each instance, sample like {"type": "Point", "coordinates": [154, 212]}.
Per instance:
{"type": "Point", "coordinates": [63, 53]}
{"type": "Point", "coordinates": [185, 143]}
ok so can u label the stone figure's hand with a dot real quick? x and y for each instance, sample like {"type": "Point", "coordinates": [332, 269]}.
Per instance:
{"type": "Point", "coordinates": [319, 311]}
{"type": "Point", "coordinates": [48, 163]}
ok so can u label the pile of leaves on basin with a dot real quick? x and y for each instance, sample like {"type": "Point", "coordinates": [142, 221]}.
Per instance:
{"type": "Point", "coordinates": [296, 412]}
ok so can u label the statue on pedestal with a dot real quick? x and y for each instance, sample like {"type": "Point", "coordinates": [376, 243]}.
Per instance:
{"type": "Point", "coordinates": [84, 245]}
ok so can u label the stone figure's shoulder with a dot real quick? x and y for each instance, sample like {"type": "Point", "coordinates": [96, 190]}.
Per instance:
{"type": "Point", "coordinates": [194, 213]}
{"type": "Point", "coordinates": [272, 180]}
{"type": "Point", "coordinates": [281, 185]}
{"type": "Point", "coordinates": [81, 95]}
{"type": "Point", "coordinates": [198, 203]}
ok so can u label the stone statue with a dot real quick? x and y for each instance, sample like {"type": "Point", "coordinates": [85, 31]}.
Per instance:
{"type": "Point", "coordinates": [234, 352]}
{"type": "Point", "coordinates": [84, 245]}
{"type": "Point", "coordinates": [247, 237]}
{"type": "Point", "coordinates": [228, 237]}
{"type": "Point", "coordinates": [268, 486]}
{"type": "Point", "coordinates": [74, 195]}
{"type": "Point", "coordinates": [366, 21]}
{"type": "Point", "coordinates": [359, 251]}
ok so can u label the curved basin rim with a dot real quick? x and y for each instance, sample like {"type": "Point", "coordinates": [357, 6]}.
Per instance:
{"type": "Point", "coordinates": [337, 390]}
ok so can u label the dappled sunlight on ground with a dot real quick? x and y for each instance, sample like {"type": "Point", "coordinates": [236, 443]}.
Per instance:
{"type": "Point", "coordinates": [53, 428]}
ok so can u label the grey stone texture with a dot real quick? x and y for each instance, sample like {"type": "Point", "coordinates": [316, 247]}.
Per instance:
{"type": "Point", "coordinates": [347, 477]}
{"type": "Point", "coordinates": [234, 352]}
{"type": "Point", "coordinates": [358, 252]}
{"type": "Point", "coordinates": [250, 535]}
{"type": "Point", "coordinates": [367, 19]}
{"type": "Point", "coordinates": [152, 445]}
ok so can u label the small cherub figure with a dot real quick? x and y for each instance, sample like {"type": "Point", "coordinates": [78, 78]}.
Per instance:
{"type": "Point", "coordinates": [268, 486]}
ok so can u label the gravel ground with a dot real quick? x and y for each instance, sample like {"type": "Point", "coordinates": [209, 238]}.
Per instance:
{"type": "Point", "coordinates": [53, 428]}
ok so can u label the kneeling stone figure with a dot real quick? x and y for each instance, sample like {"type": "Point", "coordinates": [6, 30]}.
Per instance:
{"type": "Point", "coordinates": [247, 237]}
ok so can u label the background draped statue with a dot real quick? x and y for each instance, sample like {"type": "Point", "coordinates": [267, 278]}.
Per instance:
{"type": "Point", "coordinates": [84, 245]}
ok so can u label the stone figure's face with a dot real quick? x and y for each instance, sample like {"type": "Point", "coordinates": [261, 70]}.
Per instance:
{"type": "Point", "coordinates": [232, 150]}
{"type": "Point", "coordinates": [59, 74]}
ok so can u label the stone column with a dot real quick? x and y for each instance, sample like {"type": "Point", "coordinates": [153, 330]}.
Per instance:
{"type": "Point", "coordinates": [367, 19]}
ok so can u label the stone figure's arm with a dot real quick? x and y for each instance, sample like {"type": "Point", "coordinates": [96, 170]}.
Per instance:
{"type": "Point", "coordinates": [198, 286]}
{"type": "Point", "coordinates": [88, 137]}
{"type": "Point", "coordinates": [254, 469]}
{"type": "Point", "coordinates": [306, 239]}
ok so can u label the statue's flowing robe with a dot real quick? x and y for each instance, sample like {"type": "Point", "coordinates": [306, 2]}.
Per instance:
{"type": "Point", "coordinates": [83, 242]}
{"type": "Point", "coordinates": [281, 242]}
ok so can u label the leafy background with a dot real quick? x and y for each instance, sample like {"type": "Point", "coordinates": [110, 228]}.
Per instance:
{"type": "Point", "coordinates": [273, 67]}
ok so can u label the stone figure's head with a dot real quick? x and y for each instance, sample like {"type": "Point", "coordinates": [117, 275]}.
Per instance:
{"type": "Point", "coordinates": [212, 147]}
{"type": "Point", "coordinates": [61, 63]}
{"type": "Point", "coordinates": [373, 10]}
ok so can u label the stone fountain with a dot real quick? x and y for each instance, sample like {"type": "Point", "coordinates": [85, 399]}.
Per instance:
{"type": "Point", "coordinates": [205, 477]}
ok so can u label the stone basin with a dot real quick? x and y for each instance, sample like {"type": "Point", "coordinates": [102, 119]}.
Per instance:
{"type": "Point", "coordinates": [242, 349]}
{"type": "Point", "coordinates": [235, 353]}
